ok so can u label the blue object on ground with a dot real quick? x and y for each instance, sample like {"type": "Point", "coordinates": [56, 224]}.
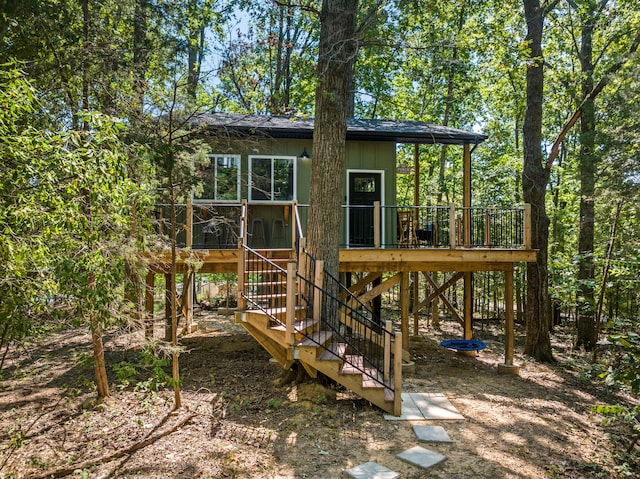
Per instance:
{"type": "Point", "coordinates": [464, 344]}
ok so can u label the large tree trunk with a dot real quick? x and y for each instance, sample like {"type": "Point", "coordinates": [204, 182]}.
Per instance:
{"type": "Point", "coordinates": [586, 268]}
{"type": "Point", "coordinates": [338, 47]}
{"type": "Point", "coordinates": [534, 183]}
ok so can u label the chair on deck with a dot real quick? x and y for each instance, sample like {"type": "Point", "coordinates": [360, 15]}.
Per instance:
{"type": "Point", "coordinates": [406, 232]}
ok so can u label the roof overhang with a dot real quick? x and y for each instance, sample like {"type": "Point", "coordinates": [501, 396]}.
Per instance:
{"type": "Point", "coordinates": [397, 131]}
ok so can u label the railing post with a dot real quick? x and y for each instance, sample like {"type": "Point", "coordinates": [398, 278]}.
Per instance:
{"type": "Point", "coordinates": [242, 303]}
{"type": "Point", "coordinates": [452, 226]}
{"type": "Point", "coordinates": [487, 228]}
{"type": "Point", "coordinates": [244, 220]}
{"type": "Point", "coordinates": [291, 304]}
{"type": "Point", "coordinates": [527, 226]}
{"type": "Point", "coordinates": [397, 375]}
{"type": "Point", "coordinates": [295, 219]}
{"type": "Point", "coordinates": [376, 225]}
{"type": "Point", "coordinates": [317, 297]}
{"type": "Point", "coordinates": [466, 226]}
{"type": "Point", "coordinates": [386, 368]}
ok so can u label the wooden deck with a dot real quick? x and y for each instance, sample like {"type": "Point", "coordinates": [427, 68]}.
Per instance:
{"type": "Point", "coordinates": [363, 260]}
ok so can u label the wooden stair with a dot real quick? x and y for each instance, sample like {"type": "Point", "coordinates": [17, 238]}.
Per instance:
{"type": "Point", "coordinates": [316, 353]}
{"type": "Point", "coordinates": [265, 318]}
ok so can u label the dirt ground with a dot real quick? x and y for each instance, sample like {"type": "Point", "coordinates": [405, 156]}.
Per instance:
{"type": "Point", "coordinates": [237, 421]}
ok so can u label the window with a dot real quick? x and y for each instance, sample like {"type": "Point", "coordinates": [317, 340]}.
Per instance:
{"type": "Point", "coordinates": [221, 179]}
{"type": "Point", "coordinates": [272, 178]}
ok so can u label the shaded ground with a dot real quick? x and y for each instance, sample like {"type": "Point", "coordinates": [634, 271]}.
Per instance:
{"type": "Point", "coordinates": [243, 424]}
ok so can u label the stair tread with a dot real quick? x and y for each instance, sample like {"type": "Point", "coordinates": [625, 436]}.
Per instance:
{"type": "Point", "coordinates": [353, 364]}
{"type": "Point", "coordinates": [298, 325]}
{"type": "Point", "coordinates": [276, 310]}
{"type": "Point", "coordinates": [333, 352]}
{"type": "Point", "coordinates": [372, 378]}
{"type": "Point", "coordinates": [317, 338]}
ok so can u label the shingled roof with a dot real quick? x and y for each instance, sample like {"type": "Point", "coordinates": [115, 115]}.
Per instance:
{"type": "Point", "coordinates": [398, 131]}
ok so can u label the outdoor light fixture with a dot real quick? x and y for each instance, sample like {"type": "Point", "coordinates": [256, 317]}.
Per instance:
{"type": "Point", "coordinates": [304, 155]}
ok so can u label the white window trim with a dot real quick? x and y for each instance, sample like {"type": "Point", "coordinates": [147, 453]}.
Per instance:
{"type": "Point", "coordinates": [294, 159]}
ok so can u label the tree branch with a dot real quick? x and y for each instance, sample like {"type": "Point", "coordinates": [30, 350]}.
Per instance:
{"type": "Point", "coordinates": [65, 471]}
{"type": "Point", "coordinates": [555, 149]}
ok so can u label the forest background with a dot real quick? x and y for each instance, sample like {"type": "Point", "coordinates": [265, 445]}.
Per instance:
{"type": "Point", "coordinates": [95, 98]}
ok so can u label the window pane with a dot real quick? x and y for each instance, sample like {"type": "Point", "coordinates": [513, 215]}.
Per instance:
{"type": "Point", "coordinates": [227, 178]}
{"type": "Point", "coordinates": [207, 176]}
{"type": "Point", "coordinates": [261, 179]}
{"type": "Point", "coordinates": [283, 179]}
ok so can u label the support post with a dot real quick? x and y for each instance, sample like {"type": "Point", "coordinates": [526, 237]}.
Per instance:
{"type": "Point", "coordinates": [466, 195]}
{"type": "Point", "coordinates": [509, 330]}
{"type": "Point", "coordinates": [397, 374]}
{"type": "Point", "coordinates": [404, 308]}
{"type": "Point", "coordinates": [468, 305]}
{"type": "Point", "coordinates": [148, 305]}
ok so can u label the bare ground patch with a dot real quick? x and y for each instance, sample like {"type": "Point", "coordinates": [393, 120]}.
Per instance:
{"type": "Point", "coordinates": [245, 424]}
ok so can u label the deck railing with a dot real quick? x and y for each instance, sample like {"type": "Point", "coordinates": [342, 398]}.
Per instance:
{"type": "Point", "coordinates": [264, 225]}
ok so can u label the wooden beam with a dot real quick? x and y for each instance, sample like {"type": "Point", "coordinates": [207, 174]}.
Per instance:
{"type": "Point", "coordinates": [439, 290]}
{"type": "Point", "coordinates": [386, 285]}
{"type": "Point", "coordinates": [361, 284]}
{"type": "Point", "coordinates": [509, 330]}
{"type": "Point", "coordinates": [466, 195]}
{"type": "Point", "coordinates": [446, 302]}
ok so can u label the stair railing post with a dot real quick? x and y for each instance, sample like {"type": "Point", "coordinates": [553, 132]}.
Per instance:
{"type": "Point", "coordinates": [388, 328]}
{"type": "Point", "coordinates": [452, 226]}
{"type": "Point", "coordinates": [291, 304]}
{"type": "Point", "coordinates": [317, 297]}
{"type": "Point", "coordinates": [397, 375]}
{"type": "Point", "coordinates": [242, 303]}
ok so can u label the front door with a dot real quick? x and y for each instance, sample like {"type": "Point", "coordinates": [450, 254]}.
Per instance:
{"type": "Point", "coordinates": [364, 189]}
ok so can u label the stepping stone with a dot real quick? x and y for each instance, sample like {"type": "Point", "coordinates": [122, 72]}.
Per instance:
{"type": "Point", "coordinates": [431, 434]}
{"type": "Point", "coordinates": [435, 406]}
{"type": "Point", "coordinates": [418, 406]}
{"type": "Point", "coordinates": [421, 457]}
{"type": "Point", "coordinates": [372, 470]}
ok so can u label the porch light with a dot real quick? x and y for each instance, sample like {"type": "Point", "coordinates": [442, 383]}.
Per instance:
{"type": "Point", "coordinates": [304, 155]}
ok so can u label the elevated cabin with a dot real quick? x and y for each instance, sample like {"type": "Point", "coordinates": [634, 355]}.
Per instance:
{"type": "Point", "coordinates": [250, 218]}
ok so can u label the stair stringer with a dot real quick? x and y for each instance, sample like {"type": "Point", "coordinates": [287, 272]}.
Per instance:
{"type": "Point", "coordinates": [354, 382]}
{"type": "Point", "coordinates": [256, 325]}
